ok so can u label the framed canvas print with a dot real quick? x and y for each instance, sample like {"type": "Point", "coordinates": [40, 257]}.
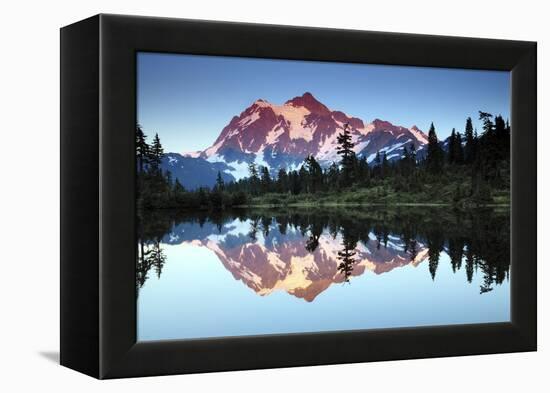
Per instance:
{"type": "Point", "coordinates": [239, 196]}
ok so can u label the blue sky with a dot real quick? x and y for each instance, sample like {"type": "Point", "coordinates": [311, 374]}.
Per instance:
{"type": "Point", "coordinates": [188, 99]}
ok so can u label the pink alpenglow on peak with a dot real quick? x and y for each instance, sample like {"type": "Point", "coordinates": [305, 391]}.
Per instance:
{"type": "Point", "coordinates": [281, 136]}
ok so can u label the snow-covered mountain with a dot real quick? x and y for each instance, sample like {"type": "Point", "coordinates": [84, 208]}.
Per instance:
{"type": "Point", "coordinates": [283, 135]}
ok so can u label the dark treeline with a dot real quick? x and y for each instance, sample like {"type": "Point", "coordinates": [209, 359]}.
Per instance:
{"type": "Point", "coordinates": [471, 171]}
{"type": "Point", "coordinates": [475, 241]}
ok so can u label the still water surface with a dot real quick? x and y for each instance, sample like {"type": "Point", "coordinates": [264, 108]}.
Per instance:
{"type": "Point", "coordinates": [251, 272]}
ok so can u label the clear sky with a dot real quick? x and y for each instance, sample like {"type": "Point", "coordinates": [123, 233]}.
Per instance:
{"type": "Point", "coordinates": [188, 99]}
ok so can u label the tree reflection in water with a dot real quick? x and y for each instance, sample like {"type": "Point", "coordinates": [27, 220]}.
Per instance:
{"type": "Point", "coordinates": [476, 240]}
{"type": "Point", "coordinates": [150, 255]}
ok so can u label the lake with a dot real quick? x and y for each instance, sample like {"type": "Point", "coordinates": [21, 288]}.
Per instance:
{"type": "Point", "coordinates": [277, 271]}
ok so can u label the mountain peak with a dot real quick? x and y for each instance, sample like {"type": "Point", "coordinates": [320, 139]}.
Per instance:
{"type": "Point", "coordinates": [260, 102]}
{"type": "Point", "coordinates": [308, 101]}
{"type": "Point", "coordinates": [276, 136]}
{"type": "Point", "coordinates": [381, 123]}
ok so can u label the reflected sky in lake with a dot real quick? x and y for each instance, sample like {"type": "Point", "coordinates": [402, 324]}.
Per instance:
{"type": "Point", "coordinates": [251, 273]}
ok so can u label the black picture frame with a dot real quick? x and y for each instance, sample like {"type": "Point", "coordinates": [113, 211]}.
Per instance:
{"type": "Point", "coordinates": [98, 253]}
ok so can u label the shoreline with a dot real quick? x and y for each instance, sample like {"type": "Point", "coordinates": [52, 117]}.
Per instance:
{"type": "Point", "coordinates": [310, 205]}
{"type": "Point", "coordinates": [371, 204]}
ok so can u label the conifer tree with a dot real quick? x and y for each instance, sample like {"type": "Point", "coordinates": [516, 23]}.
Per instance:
{"type": "Point", "coordinates": [363, 171]}
{"type": "Point", "coordinates": [142, 148]}
{"type": "Point", "coordinates": [452, 147]}
{"type": "Point", "coordinates": [315, 173]}
{"type": "Point", "coordinates": [456, 153]}
{"type": "Point", "coordinates": [253, 177]}
{"type": "Point", "coordinates": [252, 171]}
{"type": "Point", "coordinates": [406, 162]}
{"type": "Point", "coordinates": [488, 126]}
{"type": "Point", "coordinates": [345, 150]}
{"type": "Point", "coordinates": [333, 174]}
{"type": "Point", "coordinates": [303, 177]}
{"type": "Point", "coordinates": [385, 167]}
{"type": "Point", "coordinates": [434, 158]}
{"type": "Point", "coordinates": [220, 184]}
{"type": "Point", "coordinates": [459, 150]}
{"type": "Point", "coordinates": [294, 180]}
{"type": "Point", "coordinates": [470, 141]}
{"type": "Point", "coordinates": [155, 155]}
{"type": "Point", "coordinates": [282, 180]}
{"type": "Point", "coordinates": [265, 180]}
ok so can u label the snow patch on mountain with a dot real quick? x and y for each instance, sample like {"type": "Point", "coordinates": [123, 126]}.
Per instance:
{"type": "Point", "coordinates": [295, 120]}
{"type": "Point", "coordinates": [281, 136]}
{"type": "Point", "coordinates": [419, 134]}
{"type": "Point", "coordinates": [274, 134]}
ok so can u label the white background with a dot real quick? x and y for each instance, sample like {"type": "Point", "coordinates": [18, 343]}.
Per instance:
{"type": "Point", "coordinates": [29, 192]}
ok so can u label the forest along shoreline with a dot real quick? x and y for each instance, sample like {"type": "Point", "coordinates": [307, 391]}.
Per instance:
{"type": "Point", "coordinates": [472, 172]}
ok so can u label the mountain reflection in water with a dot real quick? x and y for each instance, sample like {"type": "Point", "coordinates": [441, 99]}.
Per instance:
{"type": "Point", "coordinates": [304, 252]}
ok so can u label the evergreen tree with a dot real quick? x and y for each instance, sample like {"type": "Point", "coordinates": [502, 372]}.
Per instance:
{"type": "Point", "coordinates": [413, 164]}
{"type": "Point", "coordinates": [407, 162]}
{"type": "Point", "coordinates": [456, 154]}
{"type": "Point", "coordinates": [220, 184]}
{"type": "Point", "coordinates": [315, 174]}
{"type": "Point", "coordinates": [157, 257]}
{"type": "Point", "coordinates": [488, 126]}
{"type": "Point", "coordinates": [265, 180]}
{"type": "Point", "coordinates": [469, 151]}
{"type": "Point", "coordinates": [202, 196]}
{"type": "Point", "coordinates": [345, 150]}
{"type": "Point", "coordinates": [347, 257]}
{"type": "Point", "coordinates": [451, 147]}
{"type": "Point", "coordinates": [303, 177]}
{"type": "Point", "coordinates": [435, 245]}
{"type": "Point", "coordinates": [500, 125]}
{"type": "Point", "coordinates": [363, 171]}
{"type": "Point", "coordinates": [434, 158]}
{"type": "Point", "coordinates": [282, 181]}
{"type": "Point", "coordinates": [333, 175]}
{"type": "Point", "coordinates": [155, 155]}
{"type": "Point", "coordinates": [142, 148]}
{"type": "Point", "coordinates": [458, 150]}
{"type": "Point", "coordinates": [254, 179]}
{"type": "Point", "coordinates": [252, 171]}
{"type": "Point", "coordinates": [294, 180]}
{"type": "Point", "coordinates": [385, 167]}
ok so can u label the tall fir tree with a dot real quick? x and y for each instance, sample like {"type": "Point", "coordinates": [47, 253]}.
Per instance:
{"type": "Point", "coordinates": [459, 149]}
{"type": "Point", "coordinates": [155, 155]}
{"type": "Point", "coordinates": [434, 158]}
{"type": "Point", "coordinates": [488, 126]}
{"type": "Point", "coordinates": [455, 154]}
{"type": "Point", "coordinates": [451, 147]}
{"type": "Point", "coordinates": [265, 180]}
{"type": "Point", "coordinates": [470, 148]}
{"type": "Point", "coordinates": [345, 150]}
{"type": "Point", "coordinates": [142, 148]}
